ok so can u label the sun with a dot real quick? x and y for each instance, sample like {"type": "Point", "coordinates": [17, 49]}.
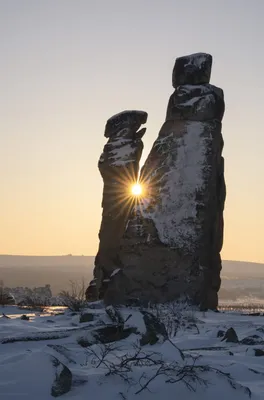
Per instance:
{"type": "Point", "coordinates": [136, 189]}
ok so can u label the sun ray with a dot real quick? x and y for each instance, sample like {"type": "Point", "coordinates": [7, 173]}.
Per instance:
{"type": "Point", "coordinates": [136, 189]}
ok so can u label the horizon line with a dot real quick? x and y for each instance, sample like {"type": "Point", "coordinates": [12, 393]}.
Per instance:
{"type": "Point", "coordinates": [84, 255]}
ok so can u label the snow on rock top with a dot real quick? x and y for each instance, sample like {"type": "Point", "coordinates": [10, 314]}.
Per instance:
{"type": "Point", "coordinates": [167, 244]}
{"type": "Point", "coordinates": [119, 167]}
{"type": "Point", "coordinates": [196, 103]}
{"type": "Point", "coordinates": [192, 69]}
{"type": "Point", "coordinates": [131, 119]}
{"type": "Point", "coordinates": [171, 247]}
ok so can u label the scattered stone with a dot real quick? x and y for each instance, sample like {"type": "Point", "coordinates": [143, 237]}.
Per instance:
{"type": "Point", "coordinates": [220, 333]}
{"type": "Point", "coordinates": [252, 340]}
{"type": "Point", "coordinates": [259, 352]}
{"type": "Point", "coordinates": [86, 317]}
{"type": "Point", "coordinates": [83, 342]}
{"type": "Point", "coordinates": [149, 337]}
{"type": "Point", "coordinates": [154, 324]}
{"type": "Point", "coordinates": [154, 329]}
{"type": "Point", "coordinates": [114, 315]}
{"type": "Point", "coordinates": [24, 317]}
{"type": "Point", "coordinates": [63, 381]}
{"type": "Point", "coordinates": [112, 333]}
{"type": "Point", "coordinates": [230, 336]}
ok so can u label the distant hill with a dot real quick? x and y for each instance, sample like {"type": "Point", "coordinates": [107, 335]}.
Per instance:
{"type": "Point", "coordinates": [242, 282]}
{"type": "Point", "coordinates": [45, 261]}
{"type": "Point", "coordinates": [242, 269]}
{"type": "Point", "coordinates": [58, 271]}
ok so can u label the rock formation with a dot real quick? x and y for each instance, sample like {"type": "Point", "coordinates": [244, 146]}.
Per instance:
{"type": "Point", "coordinates": [119, 167]}
{"type": "Point", "coordinates": [173, 238]}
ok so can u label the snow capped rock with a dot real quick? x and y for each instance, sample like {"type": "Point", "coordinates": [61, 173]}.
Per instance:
{"type": "Point", "coordinates": [194, 69]}
{"type": "Point", "coordinates": [172, 241]}
{"type": "Point", "coordinates": [129, 119]}
{"type": "Point", "coordinates": [168, 244]}
{"type": "Point", "coordinates": [119, 167]}
{"type": "Point", "coordinates": [196, 103]}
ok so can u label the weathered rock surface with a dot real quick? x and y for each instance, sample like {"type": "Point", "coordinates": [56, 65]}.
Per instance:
{"type": "Point", "coordinates": [171, 247]}
{"type": "Point", "coordinates": [252, 340]}
{"type": "Point", "coordinates": [119, 167]}
{"type": "Point", "coordinates": [63, 379]}
{"type": "Point", "coordinates": [86, 317]}
{"type": "Point", "coordinates": [194, 69]}
{"type": "Point", "coordinates": [230, 336]}
{"type": "Point", "coordinates": [34, 374]}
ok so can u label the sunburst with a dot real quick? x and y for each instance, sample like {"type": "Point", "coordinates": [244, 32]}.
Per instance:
{"type": "Point", "coordinates": [137, 189]}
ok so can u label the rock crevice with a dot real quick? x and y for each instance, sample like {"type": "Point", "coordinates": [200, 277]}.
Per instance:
{"type": "Point", "coordinates": [168, 245]}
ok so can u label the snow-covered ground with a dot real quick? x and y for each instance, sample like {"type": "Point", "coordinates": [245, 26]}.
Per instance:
{"type": "Point", "coordinates": [50, 354]}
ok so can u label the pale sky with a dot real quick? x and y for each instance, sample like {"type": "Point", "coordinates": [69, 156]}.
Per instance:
{"type": "Point", "coordinates": [68, 65]}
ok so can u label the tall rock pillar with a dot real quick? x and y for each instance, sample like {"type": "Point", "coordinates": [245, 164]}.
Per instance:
{"type": "Point", "coordinates": [119, 167]}
{"type": "Point", "coordinates": [172, 243]}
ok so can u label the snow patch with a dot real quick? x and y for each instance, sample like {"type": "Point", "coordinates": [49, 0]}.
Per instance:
{"type": "Point", "coordinates": [175, 215]}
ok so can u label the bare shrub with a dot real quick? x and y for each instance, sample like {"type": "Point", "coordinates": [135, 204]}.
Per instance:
{"type": "Point", "coordinates": [33, 303]}
{"type": "Point", "coordinates": [126, 366]}
{"type": "Point", "coordinates": [175, 315]}
{"type": "Point", "coordinates": [5, 297]}
{"type": "Point", "coordinates": [138, 367]}
{"type": "Point", "coordinates": [74, 298]}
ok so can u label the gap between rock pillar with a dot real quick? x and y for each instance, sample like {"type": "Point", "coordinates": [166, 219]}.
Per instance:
{"type": "Point", "coordinates": [172, 242]}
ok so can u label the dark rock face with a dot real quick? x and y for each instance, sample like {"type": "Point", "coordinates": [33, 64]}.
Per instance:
{"type": "Point", "coordinates": [24, 317]}
{"type": "Point", "coordinates": [153, 328]}
{"type": "Point", "coordinates": [196, 103]}
{"type": "Point", "coordinates": [63, 381]}
{"type": "Point", "coordinates": [119, 166]}
{"type": "Point", "coordinates": [171, 247]}
{"type": "Point", "coordinates": [252, 340]}
{"type": "Point", "coordinates": [168, 245]}
{"type": "Point", "coordinates": [230, 336]}
{"type": "Point", "coordinates": [194, 69]}
{"type": "Point", "coordinates": [220, 334]}
{"type": "Point", "coordinates": [259, 352]}
{"type": "Point", "coordinates": [112, 333]}
{"type": "Point", "coordinates": [86, 317]}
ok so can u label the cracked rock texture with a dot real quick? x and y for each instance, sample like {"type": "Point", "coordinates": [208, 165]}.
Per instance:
{"type": "Point", "coordinates": [168, 245]}
{"type": "Point", "coordinates": [119, 167]}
